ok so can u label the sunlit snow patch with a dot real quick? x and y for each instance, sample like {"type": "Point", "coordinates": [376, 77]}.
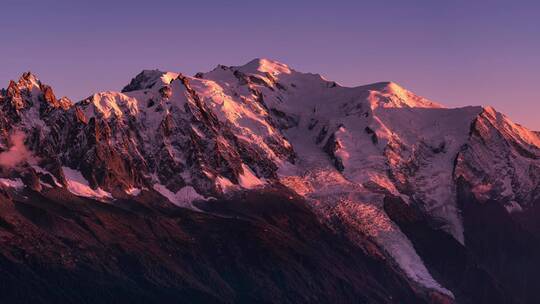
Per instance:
{"type": "Point", "coordinates": [12, 183]}
{"type": "Point", "coordinates": [248, 179]}
{"type": "Point", "coordinates": [133, 191]}
{"type": "Point", "coordinates": [182, 198]}
{"type": "Point", "coordinates": [79, 186]}
{"type": "Point", "coordinates": [224, 183]}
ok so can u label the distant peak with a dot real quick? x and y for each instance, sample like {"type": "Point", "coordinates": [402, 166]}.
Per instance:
{"type": "Point", "coordinates": [384, 86]}
{"type": "Point", "coordinates": [390, 85]}
{"type": "Point", "coordinates": [29, 76]}
{"type": "Point", "coordinates": [148, 79]}
{"type": "Point", "coordinates": [29, 79]}
{"type": "Point", "coordinates": [388, 94]}
{"type": "Point", "coordinates": [394, 88]}
{"type": "Point", "coordinates": [490, 110]}
{"type": "Point", "coordinates": [266, 66]}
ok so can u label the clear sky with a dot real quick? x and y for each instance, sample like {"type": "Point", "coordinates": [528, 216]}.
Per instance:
{"type": "Point", "coordinates": [454, 52]}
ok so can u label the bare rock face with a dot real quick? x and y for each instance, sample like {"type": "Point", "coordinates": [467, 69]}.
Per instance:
{"type": "Point", "coordinates": [400, 178]}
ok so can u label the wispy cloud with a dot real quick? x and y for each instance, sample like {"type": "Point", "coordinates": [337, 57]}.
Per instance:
{"type": "Point", "coordinates": [17, 153]}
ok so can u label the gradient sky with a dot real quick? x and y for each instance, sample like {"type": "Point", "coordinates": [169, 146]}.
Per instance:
{"type": "Point", "coordinates": [454, 52]}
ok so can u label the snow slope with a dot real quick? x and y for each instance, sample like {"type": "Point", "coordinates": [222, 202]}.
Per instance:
{"type": "Point", "coordinates": [78, 185]}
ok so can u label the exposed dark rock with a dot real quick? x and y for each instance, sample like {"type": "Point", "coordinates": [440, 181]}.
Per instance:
{"type": "Point", "coordinates": [374, 137]}
{"type": "Point", "coordinates": [441, 148]}
{"type": "Point", "coordinates": [312, 123]}
{"type": "Point", "coordinates": [322, 134]}
{"type": "Point", "coordinates": [143, 80]}
{"type": "Point", "coordinates": [165, 92]}
{"type": "Point", "coordinates": [284, 121]}
{"type": "Point", "coordinates": [331, 147]}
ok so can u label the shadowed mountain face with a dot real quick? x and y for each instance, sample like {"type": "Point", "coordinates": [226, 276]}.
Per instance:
{"type": "Point", "coordinates": [259, 183]}
{"type": "Point", "coordinates": [264, 246]}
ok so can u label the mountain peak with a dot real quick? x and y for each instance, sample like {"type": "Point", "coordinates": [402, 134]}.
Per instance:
{"type": "Point", "coordinates": [29, 91]}
{"type": "Point", "coordinates": [384, 86]}
{"type": "Point", "coordinates": [388, 94]}
{"type": "Point", "coordinates": [29, 77]}
{"type": "Point", "coordinates": [27, 80]}
{"type": "Point", "coordinates": [147, 79]}
{"type": "Point", "coordinates": [266, 66]}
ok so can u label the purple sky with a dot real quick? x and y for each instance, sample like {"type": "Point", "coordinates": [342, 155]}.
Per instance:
{"type": "Point", "coordinates": [454, 52]}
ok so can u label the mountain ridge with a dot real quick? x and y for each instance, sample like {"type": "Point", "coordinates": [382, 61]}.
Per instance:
{"type": "Point", "coordinates": [346, 151]}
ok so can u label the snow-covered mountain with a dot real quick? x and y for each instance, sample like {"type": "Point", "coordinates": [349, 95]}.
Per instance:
{"type": "Point", "coordinates": [364, 158]}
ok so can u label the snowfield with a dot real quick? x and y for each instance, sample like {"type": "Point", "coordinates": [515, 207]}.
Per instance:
{"type": "Point", "coordinates": [78, 185]}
